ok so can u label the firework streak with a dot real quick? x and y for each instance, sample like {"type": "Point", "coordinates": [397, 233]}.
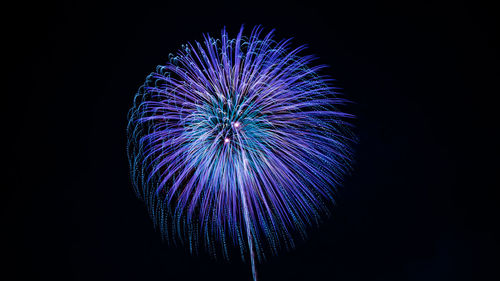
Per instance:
{"type": "Point", "coordinates": [238, 142]}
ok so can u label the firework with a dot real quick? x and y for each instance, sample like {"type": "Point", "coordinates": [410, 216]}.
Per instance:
{"type": "Point", "coordinates": [238, 142]}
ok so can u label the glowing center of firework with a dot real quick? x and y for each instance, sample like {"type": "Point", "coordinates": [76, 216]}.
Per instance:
{"type": "Point", "coordinates": [236, 124]}
{"type": "Point", "coordinates": [226, 140]}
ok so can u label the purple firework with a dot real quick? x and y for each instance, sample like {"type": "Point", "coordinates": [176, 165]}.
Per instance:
{"type": "Point", "coordinates": [238, 141]}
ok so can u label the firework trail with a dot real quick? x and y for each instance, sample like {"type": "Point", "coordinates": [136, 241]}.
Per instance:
{"type": "Point", "coordinates": [238, 142]}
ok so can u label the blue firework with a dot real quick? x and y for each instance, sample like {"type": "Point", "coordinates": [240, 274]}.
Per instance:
{"type": "Point", "coordinates": [238, 142]}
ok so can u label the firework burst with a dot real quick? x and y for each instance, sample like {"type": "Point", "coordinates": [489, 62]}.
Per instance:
{"type": "Point", "coordinates": [238, 142]}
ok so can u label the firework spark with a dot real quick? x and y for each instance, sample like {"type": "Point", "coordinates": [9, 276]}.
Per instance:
{"type": "Point", "coordinates": [238, 142]}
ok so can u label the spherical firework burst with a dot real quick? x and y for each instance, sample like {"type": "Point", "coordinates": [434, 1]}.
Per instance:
{"type": "Point", "coordinates": [238, 141]}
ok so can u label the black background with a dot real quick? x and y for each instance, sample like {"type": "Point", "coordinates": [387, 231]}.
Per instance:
{"type": "Point", "coordinates": [419, 206]}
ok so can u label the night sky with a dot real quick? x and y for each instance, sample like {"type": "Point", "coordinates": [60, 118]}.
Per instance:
{"type": "Point", "coordinates": [419, 204]}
